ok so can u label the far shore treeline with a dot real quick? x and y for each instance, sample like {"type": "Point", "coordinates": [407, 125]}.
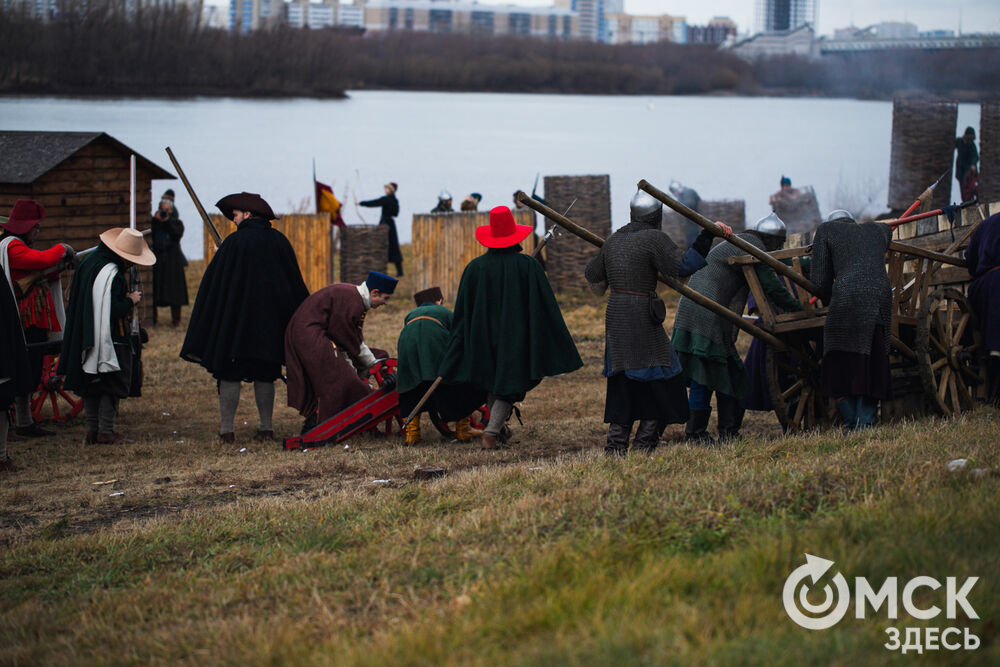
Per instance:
{"type": "Point", "coordinates": [165, 52]}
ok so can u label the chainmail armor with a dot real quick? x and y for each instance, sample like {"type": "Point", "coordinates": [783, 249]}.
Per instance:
{"type": "Point", "coordinates": [848, 265]}
{"type": "Point", "coordinates": [724, 284]}
{"type": "Point", "coordinates": [629, 260]}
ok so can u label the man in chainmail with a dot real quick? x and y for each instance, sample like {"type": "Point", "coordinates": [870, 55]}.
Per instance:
{"type": "Point", "coordinates": [848, 266]}
{"type": "Point", "coordinates": [705, 342]}
{"type": "Point", "coordinates": [690, 198]}
{"type": "Point", "coordinates": [645, 380]}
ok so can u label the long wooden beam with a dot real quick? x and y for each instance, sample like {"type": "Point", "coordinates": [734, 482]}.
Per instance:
{"type": "Point", "coordinates": [674, 283]}
{"type": "Point", "coordinates": [704, 222]}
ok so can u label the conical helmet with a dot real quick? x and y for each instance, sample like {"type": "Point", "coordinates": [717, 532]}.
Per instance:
{"type": "Point", "coordinates": [839, 214]}
{"type": "Point", "coordinates": [444, 195]}
{"type": "Point", "coordinates": [645, 208]}
{"type": "Point", "coordinates": [771, 225]}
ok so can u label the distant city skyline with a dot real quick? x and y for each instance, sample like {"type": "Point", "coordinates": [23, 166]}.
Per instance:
{"type": "Point", "coordinates": [975, 15]}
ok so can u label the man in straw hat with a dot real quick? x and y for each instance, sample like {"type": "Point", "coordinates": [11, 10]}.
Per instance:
{"type": "Point", "coordinates": [422, 343]}
{"type": "Point", "coordinates": [246, 298]}
{"type": "Point", "coordinates": [96, 351]}
{"type": "Point", "coordinates": [40, 304]}
{"type": "Point", "coordinates": [169, 282]}
{"type": "Point", "coordinates": [325, 351]}
{"type": "Point", "coordinates": [507, 332]}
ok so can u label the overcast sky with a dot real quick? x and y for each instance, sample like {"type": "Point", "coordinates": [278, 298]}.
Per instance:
{"type": "Point", "coordinates": [975, 15]}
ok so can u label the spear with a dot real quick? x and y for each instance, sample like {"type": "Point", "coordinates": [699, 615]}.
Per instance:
{"type": "Point", "coordinates": [925, 196]}
{"type": "Point", "coordinates": [930, 214]}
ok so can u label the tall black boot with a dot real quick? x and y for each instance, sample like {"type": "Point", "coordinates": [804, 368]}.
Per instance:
{"type": "Point", "coordinates": [617, 443]}
{"type": "Point", "coordinates": [730, 416]}
{"type": "Point", "coordinates": [647, 435]}
{"type": "Point", "coordinates": [696, 430]}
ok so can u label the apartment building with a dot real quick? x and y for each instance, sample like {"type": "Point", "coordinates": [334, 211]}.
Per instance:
{"type": "Point", "coordinates": [441, 17]}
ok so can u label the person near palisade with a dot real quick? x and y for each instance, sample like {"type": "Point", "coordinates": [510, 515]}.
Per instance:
{"type": "Point", "coordinates": [444, 203]}
{"type": "Point", "coordinates": [97, 354]}
{"type": "Point", "coordinates": [705, 342]}
{"type": "Point", "coordinates": [507, 332]}
{"type": "Point", "coordinates": [390, 209]}
{"type": "Point", "coordinates": [848, 266]}
{"type": "Point", "coordinates": [645, 381]}
{"type": "Point", "coordinates": [471, 203]}
{"type": "Point", "coordinates": [40, 305]}
{"type": "Point", "coordinates": [983, 259]}
{"type": "Point", "coordinates": [422, 343]}
{"type": "Point", "coordinates": [966, 162]}
{"type": "Point", "coordinates": [169, 282]}
{"type": "Point", "coordinates": [325, 350]}
{"type": "Point", "coordinates": [247, 295]}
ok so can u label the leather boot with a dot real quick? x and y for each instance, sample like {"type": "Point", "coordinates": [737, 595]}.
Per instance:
{"type": "Point", "coordinates": [730, 416]}
{"type": "Point", "coordinates": [464, 432]}
{"type": "Point", "coordinates": [696, 429]}
{"type": "Point", "coordinates": [647, 435]}
{"type": "Point", "coordinates": [993, 380]}
{"type": "Point", "coordinates": [175, 316]}
{"type": "Point", "coordinates": [413, 431]}
{"type": "Point", "coordinates": [617, 442]}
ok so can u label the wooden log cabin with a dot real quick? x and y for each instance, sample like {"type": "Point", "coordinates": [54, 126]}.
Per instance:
{"type": "Point", "coordinates": [82, 180]}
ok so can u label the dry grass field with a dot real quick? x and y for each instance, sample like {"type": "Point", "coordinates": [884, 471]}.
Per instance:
{"type": "Point", "coordinates": [547, 551]}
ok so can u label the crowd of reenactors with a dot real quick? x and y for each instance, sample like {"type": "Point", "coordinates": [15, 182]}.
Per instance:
{"type": "Point", "coordinates": [253, 315]}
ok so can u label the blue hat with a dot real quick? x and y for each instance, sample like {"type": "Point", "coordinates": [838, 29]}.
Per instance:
{"type": "Point", "coordinates": [381, 282]}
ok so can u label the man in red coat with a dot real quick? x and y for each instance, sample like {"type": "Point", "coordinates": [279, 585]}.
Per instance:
{"type": "Point", "coordinates": [40, 305]}
{"type": "Point", "coordinates": [325, 351]}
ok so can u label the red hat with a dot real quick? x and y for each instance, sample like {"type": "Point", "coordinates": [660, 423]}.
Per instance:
{"type": "Point", "coordinates": [502, 232]}
{"type": "Point", "coordinates": [26, 214]}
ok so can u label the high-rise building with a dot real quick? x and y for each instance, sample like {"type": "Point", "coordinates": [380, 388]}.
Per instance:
{"type": "Point", "coordinates": [594, 17]}
{"type": "Point", "coordinates": [785, 15]}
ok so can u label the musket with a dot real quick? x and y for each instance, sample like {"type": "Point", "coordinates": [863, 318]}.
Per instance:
{"type": "Point", "coordinates": [925, 195]}
{"type": "Point", "coordinates": [930, 214]}
{"type": "Point", "coordinates": [24, 283]}
{"type": "Point", "coordinates": [748, 248]}
{"type": "Point", "coordinates": [674, 283]}
{"type": "Point", "coordinates": [197, 203]}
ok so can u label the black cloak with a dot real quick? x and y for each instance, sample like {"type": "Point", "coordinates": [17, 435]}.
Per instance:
{"type": "Point", "coordinates": [249, 291]}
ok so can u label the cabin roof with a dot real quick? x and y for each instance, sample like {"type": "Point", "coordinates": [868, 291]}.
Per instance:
{"type": "Point", "coordinates": [27, 156]}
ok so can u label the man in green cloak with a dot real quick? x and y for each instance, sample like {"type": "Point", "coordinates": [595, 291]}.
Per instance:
{"type": "Point", "coordinates": [507, 332]}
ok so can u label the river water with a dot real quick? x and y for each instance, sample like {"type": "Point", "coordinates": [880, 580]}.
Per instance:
{"type": "Point", "coordinates": [724, 147]}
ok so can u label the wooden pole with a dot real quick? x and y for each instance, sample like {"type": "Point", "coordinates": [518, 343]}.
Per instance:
{"type": "Point", "coordinates": [704, 222]}
{"type": "Point", "coordinates": [674, 283]}
{"type": "Point", "coordinates": [197, 203]}
{"type": "Point", "coordinates": [426, 396]}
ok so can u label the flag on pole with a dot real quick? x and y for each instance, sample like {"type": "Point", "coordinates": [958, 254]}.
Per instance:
{"type": "Point", "coordinates": [325, 201]}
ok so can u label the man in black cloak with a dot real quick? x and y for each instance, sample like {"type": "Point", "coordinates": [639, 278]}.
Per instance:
{"type": "Point", "coordinates": [249, 291]}
{"type": "Point", "coordinates": [15, 369]}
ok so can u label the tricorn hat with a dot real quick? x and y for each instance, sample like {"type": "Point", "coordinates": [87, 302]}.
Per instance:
{"type": "Point", "coordinates": [429, 295]}
{"type": "Point", "coordinates": [25, 214]}
{"type": "Point", "coordinates": [503, 231]}
{"type": "Point", "coordinates": [245, 201]}
{"type": "Point", "coordinates": [128, 244]}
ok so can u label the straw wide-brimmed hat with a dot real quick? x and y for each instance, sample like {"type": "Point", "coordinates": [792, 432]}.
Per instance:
{"type": "Point", "coordinates": [503, 231]}
{"type": "Point", "coordinates": [128, 244]}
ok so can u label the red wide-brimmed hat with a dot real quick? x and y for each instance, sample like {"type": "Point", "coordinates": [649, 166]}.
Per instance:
{"type": "Point", "coordinates": [502, 232]}
{"type": "Point", "coordinates": [245, 201]}
{"type": "Point", "coordinates": [26, 214]}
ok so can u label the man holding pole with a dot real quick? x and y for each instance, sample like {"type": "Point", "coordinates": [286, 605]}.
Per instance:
{"type": "Point", "coordinates": [645, 379]}
{"type": "Point", "coordinates": [507, 332]}
{"type": "Point", "coordinates": [248, 294]}
{"type": "Point", "coordinates": [705, 342]}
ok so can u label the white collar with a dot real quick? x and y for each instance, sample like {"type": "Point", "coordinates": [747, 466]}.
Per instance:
{"type": "Point", "coordinates": [366, 295]}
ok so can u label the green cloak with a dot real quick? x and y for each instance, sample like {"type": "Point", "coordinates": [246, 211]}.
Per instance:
{"type": "Point", "coordinates": [507, 332]}
{"type": "Point", "coordinates": [78, 334]}
{"type": "Point", "coordinates": [422, 343]}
